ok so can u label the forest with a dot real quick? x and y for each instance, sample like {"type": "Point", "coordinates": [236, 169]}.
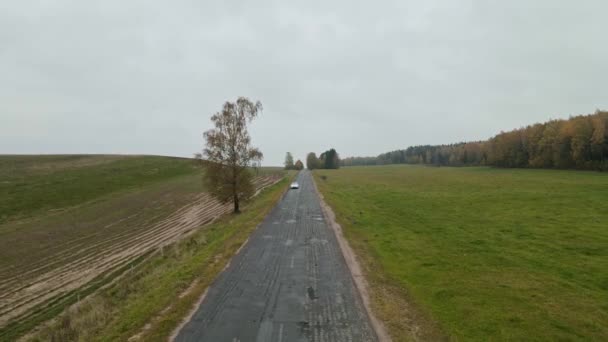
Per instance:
{"type": "Point", "coordinates": [580, 142]}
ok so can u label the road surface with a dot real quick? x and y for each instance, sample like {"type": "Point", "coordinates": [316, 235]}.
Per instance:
{"type": "Point", "coordinates": [290, 282]}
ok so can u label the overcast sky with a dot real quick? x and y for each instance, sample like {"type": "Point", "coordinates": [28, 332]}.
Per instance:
{"type": "Point", "coordinates": [144, 77]}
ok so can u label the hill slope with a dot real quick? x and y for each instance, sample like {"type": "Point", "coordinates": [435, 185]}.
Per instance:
{"type": "Point", "coordinates": [32, 184]}
{"type": "Point", "coordinates": [72, 224]}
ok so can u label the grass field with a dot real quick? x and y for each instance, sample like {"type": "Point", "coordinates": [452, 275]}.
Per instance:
{"type": "Point", "coordinates": [32, 184]}
{"type": "Point", "coordinates": [479, 253]}
{"type": "Point", "coordinates": [72, 224]}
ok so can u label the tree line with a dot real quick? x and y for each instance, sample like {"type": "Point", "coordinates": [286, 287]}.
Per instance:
{"type": "Point", "coordinates": [290, 165]}
{"type": "Point", "coordinates": [580, 142]}
{"type": "Point", "coordinates": [329, 159]}
{"type": "Point", "coordinates": [326, 160]}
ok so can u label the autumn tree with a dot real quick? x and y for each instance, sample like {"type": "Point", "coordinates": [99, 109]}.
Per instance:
{"type": "Point", "coordinates": [582, 131]}
{"type": "Point", "coordinates": [299, 165]}
{"type": "Point", "coordinates": [228, 154]}
{"type": "Point", "coordinates": [578, 142]}
{"type": "Point", "coordinates": [599, 140]}
{"type": "Point", "coordinates": [288, 161]}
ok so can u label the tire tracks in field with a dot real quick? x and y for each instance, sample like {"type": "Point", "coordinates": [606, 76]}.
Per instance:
{"type": "Point", "coordinates": [24, 292]}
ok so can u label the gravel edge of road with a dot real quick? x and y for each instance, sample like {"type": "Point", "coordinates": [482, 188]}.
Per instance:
{"type": "Point", "coordinates": [350, 257]}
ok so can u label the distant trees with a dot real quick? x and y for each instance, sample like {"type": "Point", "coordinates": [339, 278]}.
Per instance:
{"type": "Point", "coordinates": [580, 142]}
{"type": "Point", "coordinates": [599, 139]}
{"type": "Point", "coordinates": [327, 160]}
{"type": "Point", "coordinates": [289, 161]}
{"type": "Point", "coordinates": [359, 161]}
{"type": "Point", "coordinates": [228, 152]}
{"type": "Point", "coordinates": [299, 165]}
{"type": "Point", "coordinates": [312, 162]}
{"type": "Point", "coordinates": [290, 165]}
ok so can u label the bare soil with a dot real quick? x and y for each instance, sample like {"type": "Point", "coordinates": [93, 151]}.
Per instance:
{"type": "Point", "coordinates": [70, 264]}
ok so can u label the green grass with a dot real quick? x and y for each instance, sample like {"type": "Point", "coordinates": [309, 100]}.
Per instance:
{"type": "Point", "coordinates": [482, 254]}
{"type": "Point", "coordinates": [32, 184]}
{"type": "Point", "coordinates": [154, 292]}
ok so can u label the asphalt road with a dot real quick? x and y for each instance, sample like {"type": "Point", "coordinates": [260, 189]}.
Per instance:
{"type": "Point", "coordinates": [289, 283]}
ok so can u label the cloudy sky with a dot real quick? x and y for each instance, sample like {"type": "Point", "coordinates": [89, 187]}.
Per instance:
{"type": "Point", "coordinates": [367, 77]}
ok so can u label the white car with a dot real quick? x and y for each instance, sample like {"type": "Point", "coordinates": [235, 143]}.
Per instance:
{"type": "Point", "coordinates": [294, 185]}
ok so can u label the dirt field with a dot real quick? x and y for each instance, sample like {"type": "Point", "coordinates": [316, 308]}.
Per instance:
{"type": "Point", "coordinates": [50, 260]}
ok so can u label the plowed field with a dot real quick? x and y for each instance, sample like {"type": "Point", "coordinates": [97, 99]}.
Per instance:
{"type": "Point", "coordinates": [51, 257]}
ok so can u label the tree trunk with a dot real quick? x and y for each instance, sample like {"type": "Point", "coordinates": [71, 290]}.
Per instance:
{"type": "Point", "coordinates": [235, 194]}
{"type": "Point", "coordinates": [236, 204]}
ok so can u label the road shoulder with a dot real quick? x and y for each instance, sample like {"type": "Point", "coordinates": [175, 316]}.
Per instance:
{"type": "Point", "coordinates": [361, 283]}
